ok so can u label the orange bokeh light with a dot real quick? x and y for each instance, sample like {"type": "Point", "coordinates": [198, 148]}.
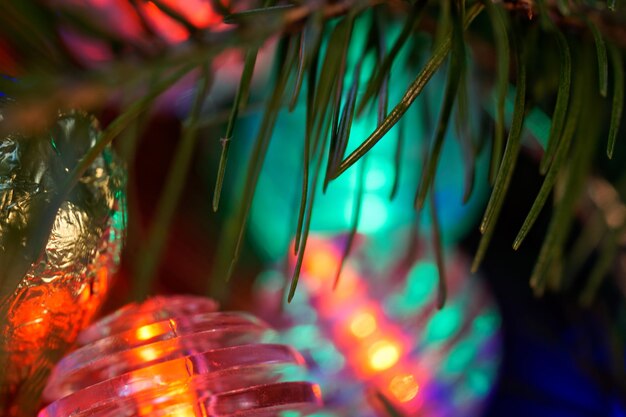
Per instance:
{"type": "Point", "coordinates": [148, 331]}
{"type": "Point", "coordinates": [383, 355]}
{"type": "Point", "coordinates": [362, 324]}
{"type": "Point", "coordinates": [321, 263]}
{"type": "Point", "coordinates": [199, 13]}
{"type": "Point", "coordinates": [404, 387]}
{"type": "Point", "coordinates": [148, 354]}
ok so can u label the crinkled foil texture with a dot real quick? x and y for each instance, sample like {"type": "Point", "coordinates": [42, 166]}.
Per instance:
{"type": "Point", "coordinates": [63, 289]}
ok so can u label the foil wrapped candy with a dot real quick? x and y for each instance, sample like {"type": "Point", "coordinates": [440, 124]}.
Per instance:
{"type": "Point", "coordinates": [58, 250]}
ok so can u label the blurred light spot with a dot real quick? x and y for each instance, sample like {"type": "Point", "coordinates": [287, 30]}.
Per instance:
{"type": "Point", "coordinates": [321, 263]}
{"type": "Point", "coordinates": [304, 336]}
{"type": "Point", "coordinates": [459, 357]}
{"type": "Point", "coordinates": [404, 387]}
{"type": "Point", "coordinates": [374, 213]}
{"type": "Point", "coordinates": [379, 174]}
{"type": "Point", "coordinates": [327, 357]}
{"type": "Point", "coordinates": [147, 332]}
{"type": "Point", "coordinates": [290, 413]}
{"type": "Point", "coordinates": [486, 323]}
{"type": "Point", "coordinates": [420, 288]}
{"type": "Point", "coordinates": [148, 353]}
{"type": "Point", "coordinates": [348, 285]}
{"type": "Point", "coordinates": [422, 281]}
{"type": "Point", "coordinates": [187, 411]}
{"type": "Point", "coordinates": [443, 324]}
{"type": "Point", "coordinates": [383, 355]}
{"type": "Point", "coordinates": [363, 324]}
{"type": "Point", "coordinates": [478, 382]}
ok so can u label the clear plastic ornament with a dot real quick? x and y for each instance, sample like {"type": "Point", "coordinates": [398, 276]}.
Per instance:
{"type": "Point", "coordinates": [177, 356]}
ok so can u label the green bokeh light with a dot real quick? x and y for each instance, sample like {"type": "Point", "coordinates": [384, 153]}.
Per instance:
{"type": "Point", "coordinates": [444, 324]}
{"type": "Point", "coordinates": [421, 284]}
{"type": "Point", "coordinates": [487, 323]}
{"type": "Point", "coordinates": [479, 382]}
{"type": "Point", "coordinates": [460, 357]}
{"type": "Point", "coordinates": [275, 206]}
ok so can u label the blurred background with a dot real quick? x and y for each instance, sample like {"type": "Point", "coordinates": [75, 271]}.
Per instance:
{"type": "Point", "coordinates": [366, 314]}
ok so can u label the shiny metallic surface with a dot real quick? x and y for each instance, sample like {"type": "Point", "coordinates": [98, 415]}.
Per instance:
{"type": "Point", "coordinates": [65, 278]}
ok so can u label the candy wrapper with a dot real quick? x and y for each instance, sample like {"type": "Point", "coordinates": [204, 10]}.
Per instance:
{"type": "Point", "coordinates": [59, 247]}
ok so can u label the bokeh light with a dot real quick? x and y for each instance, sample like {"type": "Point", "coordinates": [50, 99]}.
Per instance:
{"type": "Point", "coordinates": [383, 355]}
{"type": "Point", "coordinates": [403, 387]}
{"type": "Point", "coordinates": [363, 324]}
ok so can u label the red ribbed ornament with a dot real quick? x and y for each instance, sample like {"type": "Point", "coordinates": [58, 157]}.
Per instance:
{"type": "Point", "coordinates": [178, 356]}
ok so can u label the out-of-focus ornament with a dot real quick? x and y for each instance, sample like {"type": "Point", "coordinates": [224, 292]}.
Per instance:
{"type": "Point", "coordinates": [381, 332]}
{"type": "Point", "coordinates": [392, 164]}
{"type": "Point", "coordinates": [56, 261]}
{"type": "Point", "coordinates": [141, 26]}
{"type": "Point", "coordinates": [177, 356]}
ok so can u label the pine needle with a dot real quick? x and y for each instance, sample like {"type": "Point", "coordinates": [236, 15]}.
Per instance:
{"type": "Point", "coordinates": [312, 80]}
{"type": "Point", "coordinates": [238, 104]}
{"type": "Point", "coordinates": [439, 256]}
{"type": "Point", "coordinates": [236, 226]}
{"type": "Point", "coordinates": [578, 166]}
{"type": "Point", "coordinates": [603, 67]}
{"type": "Point", "coordinates": [505, 172]}
{"type": "Point", "coordinates": [455, 72]}
{"type": "Point", "coordinates": [607, 253]}
{"type": "Point", "coordinates": [560, 157]}
{"type": "Point", "coordinates": [356, 215]}
{"type": "Point", "coordinates": [309, 213]}
{"type": "Point", "coordinates": [562, 100]}
{"type": "Point", "coordinates": [503, 56]}
{"type": "Point", "coordinates": [241, 100]}
{"type": "Point", "coordinates": [397, 159]}
{"type": "Point", "coordinates": [382, 72]}
{"type": "Point", "coordinates": [326, 87]}
{"type": "Point", "coordinates": [386, 405]}
{"type": "Point", "coordinates": [618, 97]}
{"type": "Point", "coordinates": [409, 97]}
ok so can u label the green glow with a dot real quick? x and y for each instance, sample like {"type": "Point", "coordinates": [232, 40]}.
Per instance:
{"type": "Point", "coordinates": [290, 413]}
{"type": "Point", "coordinates": [291, 373]}
{"type": "Point", "coordinates": [379, 175]}
{"type": "Point", "coordinates": [486, 323]}
{"type": "Point", "coordinates": [459, 357]}
{"type": "Point", "coordinates": [444, 324]}
{"type": "Point", "coordinates": [422, 281]}
{"type": "Point", "coordinates": [374, 213]}
{"type": "Point", "coordinates": [421, 284]}
{"type": "Point", "coordinates": [303, 336]}
{"type": "Point", "coordinates": [327, 356]}
{"type": "Point", "coordinates": [479, 381]}
{"type": "Point", "coordinates": [274, 210]}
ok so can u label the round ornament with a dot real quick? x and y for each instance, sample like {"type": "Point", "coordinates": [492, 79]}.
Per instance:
{"type": "Point", "coordinates": [58, 250]}
{"type": "Point", "coordinates": [177, 356]}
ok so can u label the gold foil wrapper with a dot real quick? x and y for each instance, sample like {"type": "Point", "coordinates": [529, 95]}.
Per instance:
{"type": "Point", "coordinates": [66, 263]}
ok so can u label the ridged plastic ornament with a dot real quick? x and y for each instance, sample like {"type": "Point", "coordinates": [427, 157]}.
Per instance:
{"type": "Point", "coordinates": [178, 356]}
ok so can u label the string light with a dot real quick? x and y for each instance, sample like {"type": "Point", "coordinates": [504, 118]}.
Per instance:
{"type": "Point", "coordinates": [403, 387]}
{"type": "Point", "coordinates": [383, 355]}
{"type": "Point", "coordinates": [363, 324]}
